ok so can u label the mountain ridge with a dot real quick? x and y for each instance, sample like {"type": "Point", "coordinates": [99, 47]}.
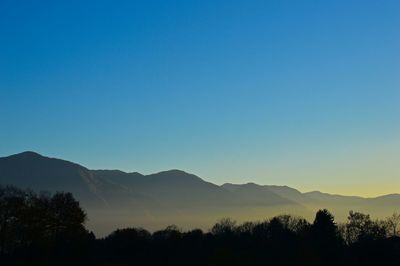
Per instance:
{"type": "Point", "coordinates": [36, 154]}
{"type": "Point", "coordinates": [115, 197]}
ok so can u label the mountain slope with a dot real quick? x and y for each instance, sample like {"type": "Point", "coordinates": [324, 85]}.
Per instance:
{"type": "Point", "coordinates": [31, 170]}
{"type": "Point", "coordinates": [114, 198]}
{"type": "Point", "coordinates": [258, 194]}
{"type": "Point", "coordinates": [173, 188]}
{"type": "Point", "coordinates": [340, 205]}
{"type": "Point", "coordinates": [40, 173]}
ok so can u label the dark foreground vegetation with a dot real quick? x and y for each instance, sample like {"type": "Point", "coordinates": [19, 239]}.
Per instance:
{"type": "Point", "coordinates": [49, 230]}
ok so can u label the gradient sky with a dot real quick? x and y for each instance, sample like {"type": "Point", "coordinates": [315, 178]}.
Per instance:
{"type": "Point", "coordinates": [300, 93]}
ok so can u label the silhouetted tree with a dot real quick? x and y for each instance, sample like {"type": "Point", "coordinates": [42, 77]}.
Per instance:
{"type": "Point", "coordinates": [224, 227]}
{"type": "Point", "coordinates": [326, 238]}
{"type": "Point", "coordinates": [49, 230]}
{"type": "Point", "coordinates": [393, 223]}
{"type": "Point", "coordinates": [324, 227]}
{"type": "Point", "coordinates": [38, 229]}
{"type": "Point", "coordinates": [130, 244]}
{"type": "Point", "coordinates": [294, 223]}
{"type": "Point", "coordinates": [360, 227]}
{"type": "Point", "coordinates": [13, 208]}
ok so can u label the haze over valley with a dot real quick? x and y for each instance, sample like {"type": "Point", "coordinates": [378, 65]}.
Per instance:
{"type": "Point", "coordinates": [115, 199]}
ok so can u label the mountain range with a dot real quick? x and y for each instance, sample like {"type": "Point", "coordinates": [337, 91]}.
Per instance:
{"type": "Point", "coordinates": [114, 198]}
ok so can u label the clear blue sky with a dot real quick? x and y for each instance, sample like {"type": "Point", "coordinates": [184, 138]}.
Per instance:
{"type": "Point", "coordinates": [302, 93]}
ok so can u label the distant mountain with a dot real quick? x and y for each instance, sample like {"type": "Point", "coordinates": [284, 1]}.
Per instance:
{"type": "Point", "coordinates": [34, 171]}
{"type": "Point", "coordinates": [115, 198]}
{"type": "Point", "coordinates": [172, 188]}
{"type": "Point", "coordinates": [259, 194]}
{"type": "Point", "coordinates": [31, 170]}
{"type": "Point", "coordinates": [340, 205]}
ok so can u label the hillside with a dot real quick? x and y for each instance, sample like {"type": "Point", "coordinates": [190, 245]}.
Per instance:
{"type": "Point", "coordinates": [115, 198]}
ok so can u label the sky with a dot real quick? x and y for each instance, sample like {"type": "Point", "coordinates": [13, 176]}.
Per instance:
{"type": "Point", "coordinates": [297, 93]}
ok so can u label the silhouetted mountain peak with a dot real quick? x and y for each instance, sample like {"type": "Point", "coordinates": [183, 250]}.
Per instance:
{"type": "Point", "coordinates": [174, 172]}
{"type": "Point", "coordinates": [29, 157]}
{"type": "Point", "coordinates": [315, 192]}
{"type": "Point", "coordinates": [252, 184]}
{"type": "Point", "coordinates": [172, 193]}
{"type": "Point", "coordinates": [26, 154]}
{"type": "Point", "coordinates": [30, 169]}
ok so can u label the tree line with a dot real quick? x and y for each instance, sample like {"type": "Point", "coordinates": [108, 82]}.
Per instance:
{"type": "Point", "coordinates": [49, 229]}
